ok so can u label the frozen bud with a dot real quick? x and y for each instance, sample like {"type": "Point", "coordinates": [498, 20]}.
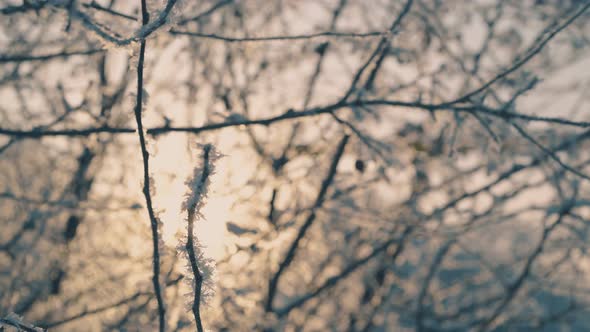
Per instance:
{"type": "Point", "coordinates": [359, 165]}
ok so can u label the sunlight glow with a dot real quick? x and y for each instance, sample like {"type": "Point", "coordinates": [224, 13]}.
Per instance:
{"type": "Point", "coordinates": [172, 190]}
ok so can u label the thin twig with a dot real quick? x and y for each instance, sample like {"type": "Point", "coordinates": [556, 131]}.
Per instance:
{"type": "Point", "coordinates": [38, 133]}
{"type": "Point", "coordinates": [333, 281]}
{"type": "Point", "coordinates": [140, 35]}
{"type": "Point", "coordinates": [205, 13]}
{"type": "Point", "coordinates": [519, 63]}
{"type": "Point", "coordinates": [278, 38]}
{"type": "Point", "coordinates": [381, 47]}
{"type": "Point", "coordinates": [93, 4]}
{"type": "Point", "coordinates": [549, 152]}
{"type": "Point", "coordinates": [43, 57]}
{"type": "Point", "coordinates": [146, 179]}
{"type": "Point", "coordinates": [290, 255]}
{"type": "Point", "coordinates": [98, 310]}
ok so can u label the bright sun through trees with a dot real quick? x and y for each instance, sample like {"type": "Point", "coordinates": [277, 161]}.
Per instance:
{"type": "Point", "coordinates": [294, 165]}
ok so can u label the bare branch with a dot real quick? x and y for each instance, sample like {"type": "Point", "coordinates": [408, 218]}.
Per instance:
{"type": "Point", "coordinates": [17, 58]}
{"type": "Point", "coordinates": [330, 34]}
{"type": "Point", "coordinates": [147, 179]}
{"type": "Point", "coordinates": [522, 61]}
{"type": "Point", "coordinates": [290, 255]}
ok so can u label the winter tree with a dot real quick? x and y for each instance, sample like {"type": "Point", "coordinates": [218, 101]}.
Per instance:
{"type": "Point", "coordinates": [285, 165]}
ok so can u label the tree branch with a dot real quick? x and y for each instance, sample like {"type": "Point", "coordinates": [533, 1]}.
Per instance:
{"type": "Point", "coordinates": [197, 196]}
{"type": "Point", "coordinates": [146, 179]}
{"type": "Point", "coordinates": [279, 38]}
{"type": "Point", "coordinates": [520, 62]}
{"type": "Point", "coordinates": [291, 252]}
{"type": "Point", "coordinates": [43, 57]}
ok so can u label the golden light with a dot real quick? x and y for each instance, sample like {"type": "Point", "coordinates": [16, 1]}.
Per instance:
{"type": "Point", "coordinates": [171, 191]}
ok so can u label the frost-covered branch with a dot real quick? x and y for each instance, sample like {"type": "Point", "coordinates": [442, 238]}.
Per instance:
{"type": "Point", "coordinates": [13, 320]}
{"type": "Point", "coordinates": [199, 265]}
